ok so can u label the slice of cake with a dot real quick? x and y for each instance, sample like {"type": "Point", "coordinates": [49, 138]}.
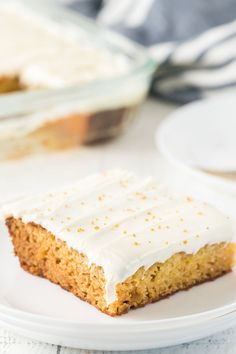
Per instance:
{"type": "Point", "coordinates": [120, 242]}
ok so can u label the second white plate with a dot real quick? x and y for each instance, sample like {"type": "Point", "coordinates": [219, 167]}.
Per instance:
{"type": "Point", "coordinates": [201, 137]}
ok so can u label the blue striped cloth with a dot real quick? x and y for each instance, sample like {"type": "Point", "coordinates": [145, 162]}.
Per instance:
{"type": "Point", "coordinates": [193, 41]}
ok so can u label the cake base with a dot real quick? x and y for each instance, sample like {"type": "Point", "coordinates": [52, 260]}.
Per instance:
{"type": "Point", "coordinates": [40, 253]}
{"type": "Point", "coordinates": [68, 132]}
{"type": "Point", "coordinates": [10, 84]}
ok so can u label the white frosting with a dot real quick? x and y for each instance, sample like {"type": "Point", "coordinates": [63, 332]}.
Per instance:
{"type": "Point", "coordinates": [48, 54]}
{"type": "Point", "coordinates": [121, 222]}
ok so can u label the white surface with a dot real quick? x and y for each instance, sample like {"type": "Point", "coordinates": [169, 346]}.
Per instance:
{"type": "Point", "coordinates": [134, 151]}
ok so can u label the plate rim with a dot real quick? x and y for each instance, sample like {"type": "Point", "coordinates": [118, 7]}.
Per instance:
{"type": "Point", "coordinates": [228, 185]}
{"type": "Point", "coordinates": [149, 340]}
{"type": "Point", "coordinates": [194, 318]}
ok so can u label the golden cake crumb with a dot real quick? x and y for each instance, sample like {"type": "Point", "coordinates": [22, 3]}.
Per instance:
{"type": "Point", "coordinates": [40, 253]}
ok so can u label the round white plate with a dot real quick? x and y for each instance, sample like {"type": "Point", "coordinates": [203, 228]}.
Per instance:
{"type": "Point", "coordinates": [201, 136]}
{"type": "Point", "coordinates": [35, 308]}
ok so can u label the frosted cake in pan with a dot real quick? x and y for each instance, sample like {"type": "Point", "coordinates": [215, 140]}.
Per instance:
{"type": "Point", "coordinates": [64, 81]}
{"type": "Point", "coordinates": [39, 53]}
{"type": "Point", "coordinates": [120, 242]}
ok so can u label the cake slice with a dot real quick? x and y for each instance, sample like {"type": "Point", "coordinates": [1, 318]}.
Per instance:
{"type": "Point", "coordinates": [120, 242]}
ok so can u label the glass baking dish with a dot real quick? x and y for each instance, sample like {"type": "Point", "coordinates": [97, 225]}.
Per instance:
{"type": "Point", "coordinates": [57, 118]}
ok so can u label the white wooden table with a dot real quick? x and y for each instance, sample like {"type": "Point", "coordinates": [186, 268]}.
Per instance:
{"type": "Point", "coordinates": [135, 151]}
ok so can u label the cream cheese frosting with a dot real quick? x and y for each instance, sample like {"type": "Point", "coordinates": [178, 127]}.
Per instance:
{"type": "Point", "coordinates": [48, 54]}
{"type": "Point", "coordinates": [122, 222]}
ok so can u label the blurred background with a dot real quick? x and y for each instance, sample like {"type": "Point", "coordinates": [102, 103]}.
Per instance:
{"type": "Point", "coordinates": [146, 85]}
{"type": "Point", "coordinates": [193, 41]}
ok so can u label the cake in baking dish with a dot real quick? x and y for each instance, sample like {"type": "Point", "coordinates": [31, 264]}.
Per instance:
{"type": "Point", "coordinates": [40, 52]}
{"type": "Point", "coordinates": [119, 241]}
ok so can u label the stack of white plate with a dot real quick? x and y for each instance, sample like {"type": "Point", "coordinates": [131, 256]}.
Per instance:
{"type": "Point", "coordinates": [35, 308]}
{"type": "Point", "coordinates": [198, 143]}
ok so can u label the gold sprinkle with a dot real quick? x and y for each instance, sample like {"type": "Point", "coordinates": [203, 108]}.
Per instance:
{"type": "Point", "coordinates": [159, 227]}
{"type": "Point", "coordinates": [200, 213]}
{"type": "Point", "coordinates": [116, 226]}
{"type": "Point", "coordinates": [207, 228]}
{"type": "Point", "coordinates": [66, 206]}
{"type": "Point", "coordinates": [149, 241]}
{"type": "Point", "coordinates": [81, 203]}
{"type": "Point", "coordinates": [181, 219]}
{"type": "Point", "coordinates": [124, 184]}
{"type": "Point", "coordinates": [100, 198]}
{"type": "Point", "coordinates": [68, 229]}
{"type": "Point", "coordinates": [185, 242]}
{"type": "Point", "coordinates": [80, 229]}
{"type": "Point", "coordinates": [124, 232]}
{"type": "Point", "coordinates": [146, 219]}
{"type": "Point", "coordinates": [141, 195]}
{"type": "Point", "coordinates": [197, 236]}
{"type": "Point", "coordinates": [153, 217]}
{"type": "Point", "coordinates": [62, 222]}
{"type": "Point", "coordinates": [167, 227]}
{"type": "Point", "coordinates": [152, 229]}
{"type": "Point", "coordinates": [167, 243]}
{"type": "Point", "coordinates": [96, 227]}
{"type": "Point", "coordinates": [136, 244]}
{"type": "Point", "coordinates": [130, 199]}
{"type": "Point", "coordinates": [185, 231]}
{"type": "Point", "coordinates": [110, 209]}
{"type": "Point", "coordinates": [68, 218]}
{"type": "Point", "coordinates": [52, 218]}
{"type": "Point", "coordinates": [134, 235]}
{"type": "Point", "coordinates": [189, 199]}
{"type": "Point", "coordinates": [130, 210]}
{"type": "Point", "coordinates": [149, 213]}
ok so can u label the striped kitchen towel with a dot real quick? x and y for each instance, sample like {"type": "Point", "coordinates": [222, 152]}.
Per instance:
{"type": "Point", "coordinates": [193, 41]}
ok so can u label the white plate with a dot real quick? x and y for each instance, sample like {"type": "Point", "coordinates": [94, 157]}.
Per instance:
{"type": "Point", "coordinates": [201, 136]}
{"type": "Point", "coordinates": [38, 309]}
